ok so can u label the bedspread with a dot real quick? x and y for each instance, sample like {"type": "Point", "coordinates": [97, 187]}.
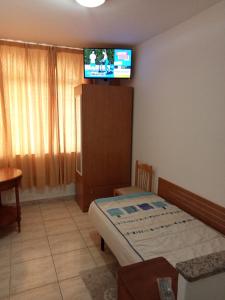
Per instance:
{"type": "Point", "coordinates": [153, 227]}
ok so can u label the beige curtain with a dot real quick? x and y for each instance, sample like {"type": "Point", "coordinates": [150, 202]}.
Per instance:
{"type": "Point", "coordinates": [37, 112]}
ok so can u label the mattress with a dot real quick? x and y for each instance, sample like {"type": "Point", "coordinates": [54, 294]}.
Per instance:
{"type": "Point", "coordinates": [143, 226]}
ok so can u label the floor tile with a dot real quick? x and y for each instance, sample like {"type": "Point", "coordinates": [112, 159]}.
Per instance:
{"type": "Point", "coordinates": [73, 208]}
{"type": "Point", "coordinates": [71, 203]}
{"type": "Point", "coordinates": [5, 255]}
{"type": "Point", "coordinates": [47, 292]}
{"type": "Point", "coordinates": [71, 263]}
{"type": "Point", "coordinates": [75, 211]}
{"type": "Point", "coordinates": [55, 213]}
{"type": "Point", "coordinates": [51, 200]}
{"type": "Point", "coordinates": [91, 237]}
{"type": "Point", "coordinates": [4, 282]}
{"type": "Point", "coordinates": [27, 209]}
{"type": "Point", "coordinates": [32, 274]}
{"type": "Point", "coordinates": [30, 231]}
{"type": "Point", "coordinates": [48, 226]}
{"type": "Point", "coordinates": [74, 288]}
{"type": "Point", "coordinates": [26, 250]}
{"type": "Point", "coordinates": [83, 221]}
{"type": "Point", "coordinates": [102, 257]}
{"type": "Point", "coordinates": [66, 242]}
{"type": "Point", "coordinates": [55, 205]}
{"type": "Point", "coordinates": [31, 219]}
{"type": "Point", "coordinates": [60, 226]}
{"type": "Point", "coordinates": [7, 233]}
{"type": "Point", "coordinates": [5, 239]}
{"type": "Point", "coordinates": [31, 216]}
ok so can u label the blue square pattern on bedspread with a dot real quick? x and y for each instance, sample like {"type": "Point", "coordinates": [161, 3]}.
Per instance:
{"type": "Point", "coordinates": [145, 206]}
{"type": "Point", "coordinates": [115, 212]}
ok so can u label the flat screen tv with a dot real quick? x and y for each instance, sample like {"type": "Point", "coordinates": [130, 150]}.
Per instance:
{"type": "Point", "coordinates": [107, 63]}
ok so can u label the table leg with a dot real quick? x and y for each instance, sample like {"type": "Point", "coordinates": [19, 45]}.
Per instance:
{"type": "Point", "coordinates": [102, 244]}
{"type": "Point", "coordinates": [18, 206]}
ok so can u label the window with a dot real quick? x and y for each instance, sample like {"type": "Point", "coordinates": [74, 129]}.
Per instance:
{"type": "Point", "coordinates": [37, 110]}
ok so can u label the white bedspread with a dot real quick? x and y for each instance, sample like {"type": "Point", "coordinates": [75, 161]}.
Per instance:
{"type": "Point", "coordinates": [143, 226]}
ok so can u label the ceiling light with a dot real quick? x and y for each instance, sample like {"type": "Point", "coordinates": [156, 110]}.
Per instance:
{"type": "Point", "coordinates": [91, 3]}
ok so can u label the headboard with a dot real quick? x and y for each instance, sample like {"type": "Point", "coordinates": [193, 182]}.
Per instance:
{"type": "Point", "coordinates": [204, 210]}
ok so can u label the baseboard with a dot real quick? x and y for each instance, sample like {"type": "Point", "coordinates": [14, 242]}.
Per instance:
{"type": "Point", "coordinates": [35, 194]}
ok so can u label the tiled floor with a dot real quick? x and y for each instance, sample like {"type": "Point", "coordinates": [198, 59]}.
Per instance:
{"type": "Point", "coordinates": [44, 261]}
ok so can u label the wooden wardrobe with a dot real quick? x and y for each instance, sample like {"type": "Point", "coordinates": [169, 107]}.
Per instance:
{"type": "Point", "coordinates": [104, 140]}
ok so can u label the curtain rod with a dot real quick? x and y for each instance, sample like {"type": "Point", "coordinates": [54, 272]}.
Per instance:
{"type": "Point", "coordinates": [40, 44]}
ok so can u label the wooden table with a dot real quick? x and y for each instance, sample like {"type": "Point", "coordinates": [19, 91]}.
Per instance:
{"type": "Point", "coordinates": [138, 281]}
{"type": "Point", "coordinates": [10, 178]}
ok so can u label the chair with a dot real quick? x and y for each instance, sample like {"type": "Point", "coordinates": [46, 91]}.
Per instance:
{"type": "Point", "coordinates": [143, 181]}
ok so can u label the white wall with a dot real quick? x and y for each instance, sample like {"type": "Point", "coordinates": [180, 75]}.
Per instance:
{"type": "Point", "coordinates": [179, 104]}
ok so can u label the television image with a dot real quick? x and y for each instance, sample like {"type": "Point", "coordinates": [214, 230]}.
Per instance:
{"type": "Point", "coordinates": [107, 63]}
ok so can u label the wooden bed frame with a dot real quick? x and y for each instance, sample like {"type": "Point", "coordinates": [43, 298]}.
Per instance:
{"type": "Point", "coordinates": [202, 209]}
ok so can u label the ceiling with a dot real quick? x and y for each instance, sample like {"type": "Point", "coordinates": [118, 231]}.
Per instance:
{"type": "Point", "coordinates": [116, 23]}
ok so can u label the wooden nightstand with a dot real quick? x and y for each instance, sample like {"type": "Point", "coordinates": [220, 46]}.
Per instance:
{"type": "Point", "coordinates": [138, 281]}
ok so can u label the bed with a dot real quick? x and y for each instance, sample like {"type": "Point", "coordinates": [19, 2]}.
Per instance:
{"type": "Point", "coordinates": [175, 224]}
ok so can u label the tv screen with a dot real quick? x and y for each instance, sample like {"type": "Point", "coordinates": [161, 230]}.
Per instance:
{"type": "Point", "coordinates": [107, 63]}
